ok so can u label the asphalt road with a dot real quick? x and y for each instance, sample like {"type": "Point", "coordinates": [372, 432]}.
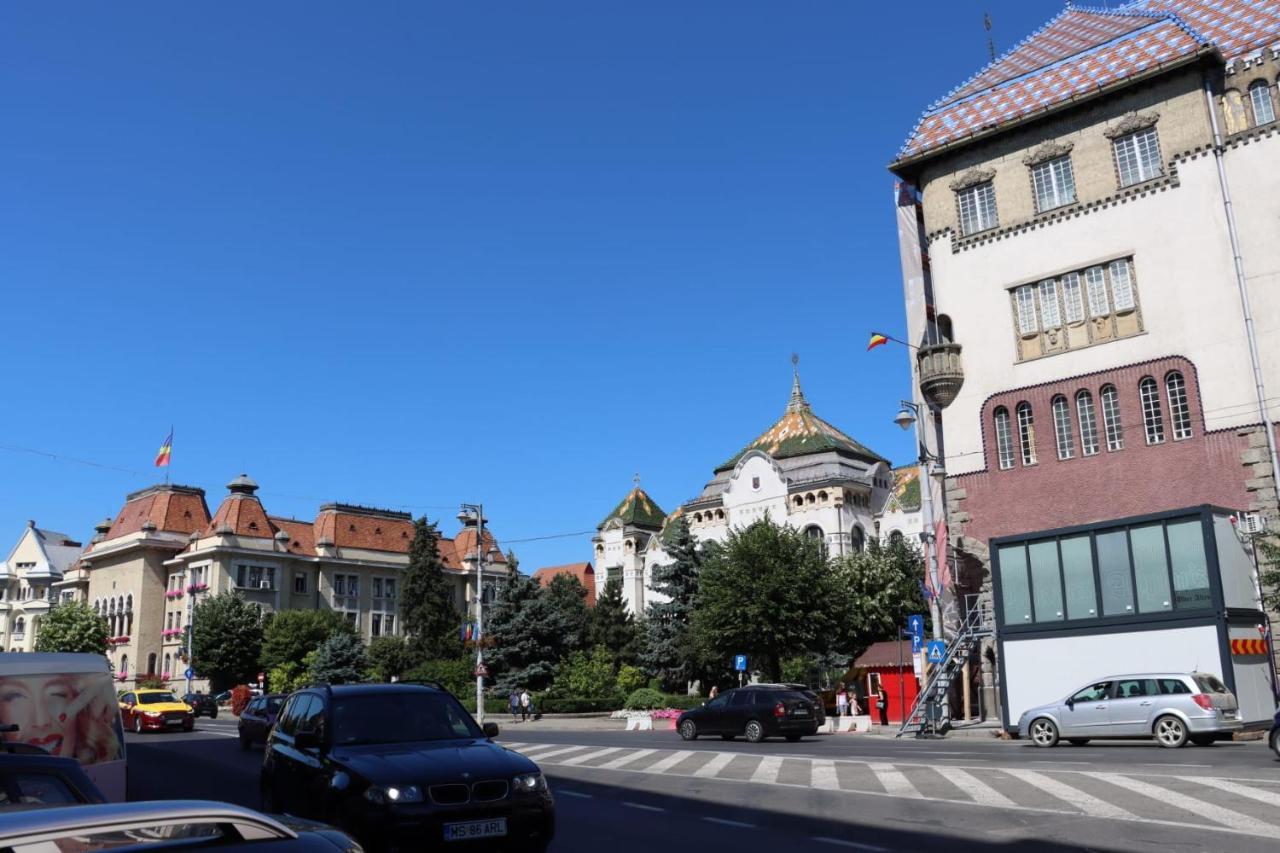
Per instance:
{"type": "Point", "coordinates": [647, 791]}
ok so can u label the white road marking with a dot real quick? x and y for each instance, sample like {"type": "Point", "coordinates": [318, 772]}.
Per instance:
{"type": "Point", "coordinates": [1086, 803]}
{"type": "Point", "coordinates": [643, 807]}
{"type": "Point", "coordinates": [627, 759]}
{"type": "Point", "coordinates": [853, 845]}
{"type": "Point", "coordinates": [822, 774]}
{"type": "Point", "coordinates": [667, 763]}
{"type": "Point", "coordinates": [1233, 788]}
{"type": "Point", "coordinates": [540, 755]}
{"type": "Point", "coordinates": [579, 759]}
{"type": "Point", "coordinates": [980, 792]}
{"type": "Point", "coordinates": [893, 781]}
{"type": "Point", "coordinates": [715, 765]}
{"type": "Point", "coordinates": [578, 794]}
{"type": "Point", "coordinates": [1206, 810]}
{"type": "Point", "coordinates": [724, 821]}
{"type": "Point", "coordinates": [1151, 764]}
{"type": "Point", "coordinates": [767, 771]}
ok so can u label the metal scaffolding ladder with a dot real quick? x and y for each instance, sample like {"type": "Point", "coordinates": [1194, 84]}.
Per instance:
{"type": "Point", "coordinates": [926, 712]}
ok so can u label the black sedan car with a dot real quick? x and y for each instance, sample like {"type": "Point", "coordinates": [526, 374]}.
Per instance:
{"type": "Point", "coordinates": [758, 711]}
{"type": "Point", "coordinates": [258, 717]}
{"type": "Point", "coordinates": [28, 780]}
{"type": "Point", "coordinates": [403, 766]}
{"type": "Point", "coordinates": [202, 703]}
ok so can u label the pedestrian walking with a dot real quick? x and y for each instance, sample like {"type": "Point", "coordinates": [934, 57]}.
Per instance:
{"type": "Point", "coordinates": [514, 701]}
{"type": "Point", "coordinates": [882, 705]}
{"type": "Point", "coordinates": [842, 700]}
{"type": "Point", "coordinates": [526, 704]}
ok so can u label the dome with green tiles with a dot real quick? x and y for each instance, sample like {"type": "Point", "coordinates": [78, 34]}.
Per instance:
{"type": "Point", "coordinates": [639, 509]}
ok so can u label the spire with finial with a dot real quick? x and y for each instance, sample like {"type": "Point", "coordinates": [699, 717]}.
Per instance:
{"type": "Point", "coordinates": [797, 403]}
{"type": "Point", "coordinates": [635, 481]}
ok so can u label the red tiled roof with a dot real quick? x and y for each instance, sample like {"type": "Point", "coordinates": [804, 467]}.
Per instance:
{"type": "Point", "coordinates": [1082, 50]}
{"type": "Point", "coordinates": [582, 571]}
{"type": "Point", "coordinates": [302, 534]}
{"type": "Point", "coordinates": [465, 543]}
{"type": "Point", "coordinates": [241, 515]}
{"type": "Point", "coordinates": [375, 532]}
{"type": "Point", "coordinates": [171, 508]}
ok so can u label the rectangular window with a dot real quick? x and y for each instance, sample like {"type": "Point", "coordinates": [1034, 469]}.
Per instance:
{"type": "Point", "coordinates": [1190, 567]}
{"type": "Point", "coordinates": [1015, 592]}
{"type": "Point", "coordinates": [254, 577]}
{"type": "Point", "coordinates": [1046, 583]}
{"type": "Point", "coordinates": [1055, 183]}
{"type": "Point", "coordinates": [977, 208]}
{"type": "Point", "coordinates": [1077, 577]}
{"type": "Point", "coordinates": [1072, 300]}
{"type": "Point", "coordinates": [1111, 418]}
{"type": "Point", "coordinates": [1138, 157]}
{"type": "Point", "coordinates": [1260, 98]}
{"type": "Point", "coordinates": [1151, 568]}
{"type": "Point", "coordinates": [1026, 310]}
{"type": "Point", "coordinates": [377, 587]}
{"type": "Point", "coordinates": [1152, 417]}
{"type": "Point", "coordinates": [1062, 429]}
{"type": "Point", "coordinates": [1113, 572]}
{"type": "Point", "coordinates": [1121, 285]}
{"type": "Point", "coordinates": [1096, 283]}
{"type": "Point", "coordinates": [389, 588]}
{"type": "Point", "coordinates": [1027, 434]}
{"type": "Point", "coordinates": [300, 583]}
{"type": "Point", "coordinates": [1088, 423]}
{"type": "Point", "coordinates": [1004, 439]}
{"type": "Point", "coordinates": [1050, 318]}
{"type": "Point", "coordinates": [375, 625]}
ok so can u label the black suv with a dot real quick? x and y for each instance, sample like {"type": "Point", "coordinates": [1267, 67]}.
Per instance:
{"type": "Point", "coordinates": [403, 765]}
{"type": "Point", "coordinates": [758, 711]}
{"type": "Point", "coordinates": [202, 703]}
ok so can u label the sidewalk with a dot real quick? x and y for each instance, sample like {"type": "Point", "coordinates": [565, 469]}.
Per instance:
{"type": "Point", "coordinates": [988, 730]}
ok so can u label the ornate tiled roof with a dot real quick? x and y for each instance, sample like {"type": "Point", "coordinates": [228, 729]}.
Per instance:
{"type": "Point", "coordinates": [637, 508]}
{"type": "Point", "coordinates": [1083, 50]}
{"type": "Point", "coordinates": [906, 488]}
{"type": "Point", "coordinates": [800, 432]}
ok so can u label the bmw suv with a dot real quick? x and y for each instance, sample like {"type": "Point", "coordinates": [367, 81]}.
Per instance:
{"type": "Point", "coordinates": [403, 766]}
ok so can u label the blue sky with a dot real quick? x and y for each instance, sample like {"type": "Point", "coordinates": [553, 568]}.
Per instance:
{"type": "Point", "coordinates": [411, 254]}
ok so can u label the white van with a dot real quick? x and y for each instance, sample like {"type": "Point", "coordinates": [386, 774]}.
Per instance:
{"type": "Point", "coordinates": [66, 705]}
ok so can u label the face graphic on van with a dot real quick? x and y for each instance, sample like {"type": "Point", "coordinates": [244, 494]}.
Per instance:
{"type": "Point", "coordinates": [45, 709]}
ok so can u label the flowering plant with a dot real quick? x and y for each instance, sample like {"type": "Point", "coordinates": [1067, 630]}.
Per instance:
{"type": "Point", "coordinates": [173, 593]}
{"type": "Point", "coordinates": [666, 714]}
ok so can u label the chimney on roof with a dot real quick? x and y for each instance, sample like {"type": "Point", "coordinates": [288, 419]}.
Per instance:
{"type": "Point", "coordinates": [103, 527]}
{"type": "Point", "coordinates": [242, 485]}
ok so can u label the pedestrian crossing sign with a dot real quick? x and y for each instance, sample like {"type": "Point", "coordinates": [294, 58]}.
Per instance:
{"type": "Point", "coordinates": [937, 651]}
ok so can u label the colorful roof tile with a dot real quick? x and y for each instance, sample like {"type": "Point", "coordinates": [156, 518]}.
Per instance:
{"type": "Point", "coordinates": [637, 508]}
{"type": "Point", "coordinates": [906, 488]}
{"type": "Point", "coordinates": [1083, 50]}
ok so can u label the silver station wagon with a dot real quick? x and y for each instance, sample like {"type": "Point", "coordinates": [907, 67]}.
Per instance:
{"type": "Point", "coordinates": [1172, 707]}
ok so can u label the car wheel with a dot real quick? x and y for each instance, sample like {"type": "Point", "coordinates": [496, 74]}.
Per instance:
{"type": "Point", "coordinates": [213, 715]}
{"type": "Point", "coordinates": [1043, 732]}
{"type": "Point", "coordinates": [1202, 740]}
{"type": "Point", "coordinates": [1077, 741]}
{"type": "Point", "coordinates": [727, 737]}
{"type": "Point", "coordinates": [755, 732]}
{"type": "Point", "coordinates": [689, 730]}
{"type": "Point", "coordinates": [1171, 732]}
{"type": "Point", "coordinates": [137, 725]}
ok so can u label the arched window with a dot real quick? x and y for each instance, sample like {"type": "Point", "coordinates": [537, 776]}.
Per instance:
{"type": "Point", "coordinates": [1004, 438]}
{"type": "Point", "coordinates": [813, 531]}
{"type": "Point", "coordinates": [1152, 416]}
{"type": "Point", "coordinates": [167, 670]}
{"type": "Point", "coordinates": [946, 333]}
{"type": "Point", "coordinates": [124, 665]}
{"type": "Point", "coordinates": [1088, 423]}
{"type": "Point", "coordinates": [858, 539]}
{"type": "Point", "coordinates": [1062, 428]}
{"type": "Point", "coordinates": [1179, 412]}
{"type": "Point", "coordinates": [151, 663]}
{"type": "Point", "coordinates": [20, 626]}
{"type": "Point", "coordinates": [1264, 112]}
{"type": "Point", "coordinates": [1111, 418]}
{"type": "Point", "coordinates": [895, 537]}
{"type": "Point", "coordinates": [1026, 434]}
{"type": "Point", "coordinates": [128, 604]}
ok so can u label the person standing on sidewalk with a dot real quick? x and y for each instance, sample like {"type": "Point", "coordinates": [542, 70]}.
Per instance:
{"type": "Point", "coordinates": [514, 701]}
{"type": "Point", "coordinates": [882, 705]}
{"type": "Point", "coordinates": [525, 703]}
{"type": "Point", "coordinates": [842, 700]}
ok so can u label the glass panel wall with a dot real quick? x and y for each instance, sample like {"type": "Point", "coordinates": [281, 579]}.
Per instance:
{"type": "Point", "coordinates": [1077, 577]}
{"type": "Point", "coordinates": [1015, 592]}
{"type": "Point", "coordinates": [1151, 568]}
{"type": "Point", "coordinates": [1113, 572]}
{"type": "Point", "coordinates": [1046, 585]}
{"type": "Point", "coordinates": [1190, 567]}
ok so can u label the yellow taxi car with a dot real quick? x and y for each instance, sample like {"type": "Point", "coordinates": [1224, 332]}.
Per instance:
{"type": "Point", "coordinates": [155, 710]}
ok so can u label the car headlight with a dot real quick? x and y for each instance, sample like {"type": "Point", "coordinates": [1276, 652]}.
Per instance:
{"type": "Point", "coordinates": [529, 783]}
{"type": "Point", "coordinates": [152, 714]}
{"type": "Point", "coordinates": [393, 794]}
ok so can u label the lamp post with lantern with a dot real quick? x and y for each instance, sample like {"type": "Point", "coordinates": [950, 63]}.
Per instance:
{"type": "Point", "coordinates": [908, 416]}
{"type": "Point", "coordinates": [468, 513]}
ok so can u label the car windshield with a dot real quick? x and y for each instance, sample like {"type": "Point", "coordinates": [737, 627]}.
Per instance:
{"type": "Point", "coordinates": [400, 718]}
{"type": "Point", "coordinates": [1211, 684]}
{"type": "Point", "coordinates": [273, 706]}
{"type": "Point", "coordinates": [155, 698]}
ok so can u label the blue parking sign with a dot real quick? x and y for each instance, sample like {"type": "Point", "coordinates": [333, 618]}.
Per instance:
{"type": "Point", "coordinates": [937, 651]}
{"type": "Point", "coordinates": [190, 673]}
{"type": "Point", "coordinates": [740, 663]}
{"type": "Point", "coordinates": [915, 624]}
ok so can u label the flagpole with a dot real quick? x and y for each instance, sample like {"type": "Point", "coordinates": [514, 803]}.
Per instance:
{"type": "Point", "coordinates": [895, 340]}
{"type": "Point", "coordinates": [170, 459]}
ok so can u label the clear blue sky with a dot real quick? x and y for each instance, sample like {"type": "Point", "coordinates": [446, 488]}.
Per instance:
{"type": "Point", "coordinates": [411, 254]}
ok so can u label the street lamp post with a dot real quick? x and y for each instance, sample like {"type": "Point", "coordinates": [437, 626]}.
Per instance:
{"type": "Point", "coordinates": [909, 415]}
{"type": "Point", "coordinates": [467, 512]}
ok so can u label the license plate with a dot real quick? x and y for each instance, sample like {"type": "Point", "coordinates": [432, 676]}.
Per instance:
{"type": "Point", "coordinates": [799, 712]}
{"type": "Point", "coordinates": [173, 723]}
{"type": "Point", "coordinates": [475, 829]}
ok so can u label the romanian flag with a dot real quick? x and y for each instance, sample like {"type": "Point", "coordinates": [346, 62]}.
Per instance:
{"type": "Point", "coordinates": [877, 340]}
{"type": "Point", "coordinates": [162, 457]}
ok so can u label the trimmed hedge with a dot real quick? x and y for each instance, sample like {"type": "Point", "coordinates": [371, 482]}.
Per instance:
{"type": "Point", "coordinates": [492, 704]}
{"type": "Point", "coordinates": [646, 699]}
{"type": "Point", "coordinates": [575, 705]}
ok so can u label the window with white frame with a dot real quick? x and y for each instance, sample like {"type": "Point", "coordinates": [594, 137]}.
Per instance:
{"type": "Point", "coordinates": [1004, 438]}
{"type": "Point", "coordinates": [1152, 416]}
{"type": "Point", "coordinates": [1088, 420]}
{"type": "Point", "coordinates": [1026, 434]}
{"type": "Point", "coordinates": [1062, 428]}
{"type": "Point", "coordinates": [977, 208]}
{"type": "Point", "coordinates": [1138, 157]}
{"type": "Point", "coordinates": [1076, 309]}
{"type": "Point", "coordinates": [1264, 112]}
{"type": "Point", "coordinates": [300, 583]}
{"type": "Point", "coordinates": [1179, 411]}
{"type": "Point", "coordinates": [1111, 417]}
{"type": "Point", "coordinates": [256, 577]}
{"type": "Point", "coordinates": [375, 625]}
{"type": "Point", "coordinates": [1054, 182]}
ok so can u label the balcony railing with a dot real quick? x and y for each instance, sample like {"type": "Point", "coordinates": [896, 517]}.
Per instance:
{"type": "Point", "coordinates": [941, 373]}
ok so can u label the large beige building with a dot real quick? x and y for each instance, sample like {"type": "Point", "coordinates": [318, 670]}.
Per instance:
{"type": "Point", "coordinates": [164, 552]}
{"type": "Point", "coordinates": [30, 583]}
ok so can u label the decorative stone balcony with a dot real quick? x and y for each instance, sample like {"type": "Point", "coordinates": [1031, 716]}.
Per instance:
{"type": "Point", "coordinates": [941, 373]}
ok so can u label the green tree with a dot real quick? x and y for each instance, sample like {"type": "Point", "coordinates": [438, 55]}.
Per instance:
{"type": "Point", "coordinates": [612, 626]}
{"type": "Point", "coordinates": [287, 678]}
{"type": "Point", "coordinates": [227, 640]}
{"type": "Point", "coordinates": [339, 660]}
{"type": "Point", "coordinates": [529, 630]}
{"type": "Point", "coordinates": [587, 676]}
{"type": "Point", "coordinates": [72, 626]}
{"type": "Point", "coordinates": [668, 651]}
{"type": "Point", "coordinates": [455, 674]}
{"type": "Point", "coordinates": [429, 616]}
{"type": "Point", "coordinates": [770, 591]}
{"type": "Point", "coordinates": [291, 634]}
{"type": "Point", "coordinates": [390, 657]}
{"type": "Point", "coordinates": [880, 588]}
{"type": "Point", "coordinates": [567, 597]}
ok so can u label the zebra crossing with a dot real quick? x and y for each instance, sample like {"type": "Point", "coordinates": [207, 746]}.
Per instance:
{"type": "Point", "coordinates": [1247, 806]}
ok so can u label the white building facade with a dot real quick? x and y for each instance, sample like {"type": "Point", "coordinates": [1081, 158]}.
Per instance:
{"type": "Point", "coordinates": [29, 584]}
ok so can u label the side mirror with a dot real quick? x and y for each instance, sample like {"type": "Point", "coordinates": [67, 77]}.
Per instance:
{"type": "Point", "coordinates": [1071, 704]}
{"type": "Point", "coordinates": [306, 740]}
{"type": "Point", "coordinates": [490, 730]}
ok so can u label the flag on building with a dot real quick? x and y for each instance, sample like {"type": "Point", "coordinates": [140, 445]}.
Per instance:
{"type": "Point", "coordinates": [877, 339]}
{"type": "Point", "coordinates": [162, 457]}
